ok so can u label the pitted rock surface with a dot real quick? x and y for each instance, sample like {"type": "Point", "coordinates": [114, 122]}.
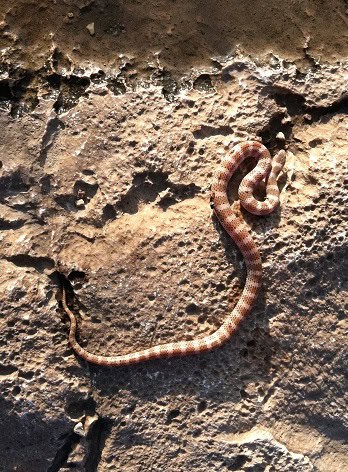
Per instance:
{"type": "Point", "coordinates": [104, 184]}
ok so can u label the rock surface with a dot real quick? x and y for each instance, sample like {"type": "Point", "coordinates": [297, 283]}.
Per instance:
{"type": "Point", "coordinates": [104, 186]}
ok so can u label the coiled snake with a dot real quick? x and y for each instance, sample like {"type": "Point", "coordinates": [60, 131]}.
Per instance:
{"type": "Point", "coordinates": [267, 169]}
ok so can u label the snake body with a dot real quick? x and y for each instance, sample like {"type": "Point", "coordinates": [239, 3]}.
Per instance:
{"type": "Point", "coordinates": [266, 169]}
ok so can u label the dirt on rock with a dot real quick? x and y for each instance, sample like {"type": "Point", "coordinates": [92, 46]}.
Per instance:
{"type": "Point", "coordinates": [177, 34]}
{"type": "Point", "coordinates": [110, 137]}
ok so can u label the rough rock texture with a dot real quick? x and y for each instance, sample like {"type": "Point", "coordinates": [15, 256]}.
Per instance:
{"type": "Point", "coordinates": [178, 33]}
{"type": "Point", "coordinates": [104, 186]}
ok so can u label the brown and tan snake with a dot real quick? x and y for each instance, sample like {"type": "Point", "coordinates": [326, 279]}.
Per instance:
{"type": "Point", "coordinates": [266, 169]}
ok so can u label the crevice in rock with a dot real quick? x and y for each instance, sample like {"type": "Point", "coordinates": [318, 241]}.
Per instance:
{"type": "Point", "coordinates": [26, 216]}
{"type": "Point", "coordinates": [294, 102]}
{"type": "Point", "coordinates": [66, 201]}
{"type": "Point", "coordinates": [146, 188]}
{"type": "Point", "coordinates": [62, 280]}
{"type": "Point", "coordinates": [84, 190]}
{"type": "Point", "coordinates": [6, 225]}
{"type": "Point", "coordinates": [227, 71]}
{"type": "Point", "coordinates": [297, 111]}
{"type": "Point", "coordinates": [82, 194]}
{"type": "Point", "coordinates": [170, 87]}
{"type": "Point", "coordinates": [97, 436]}
{"type": "Point", "coordinates": [237, 462]}
{"type": "Point", "coordinates": [45, 184]}
{"type": "Point", "coordinates": [36, 262]}
{"type": "Point", "coordinates": [5, 90]}
{"type": "Point", "coordinates": [339, 106]}
{"type": "Point", "coordinates": [313, 63]}
{"type": "Point", "coordinates": [54, 125]}
{"type": "Point", "coordinates": [207, 131]}
{"type": "Point", "coordinates": [203, 83]}
{"type": "Point", "coordinates": [64, 452]}
{"type": "Point", "coordinates": [19, 91]}
{"type": "Point", "coordinates": [70, 284]}
{"type": "Point", "coordinates": [109, 213]}
{"type": "Point", "coordinates": [76, 274]}
{"type": "Point", "coordinates": [13, 183]}
{"type": "Point", "coordinates": [7, 369]}
{"type": "Point", "coordinates": [177, 193]}
{"type": "Point", "coordinates": [77, 278]}
{"type": "Point", "coordinates": [172, 414]}
{"type": "Point", "coordinates": [70, 90]}
{"type": "Point", "coordinates": [116, 86]}
{"type": "Point", "coordinates": [276, 124]}
{"type": "Point", "coordinates": [98, 77]}
{"type": "Point", "coordinates": [296, 106]}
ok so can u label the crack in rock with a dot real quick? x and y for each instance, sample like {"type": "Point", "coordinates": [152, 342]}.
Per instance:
{"type": "Point", "coordinates": [207, 131]}
{"type": "Point", "coordinates": [13, 183]}
{"type": "Point", "coordinates": [53, 127]}
{"type": "Point", "coordinates": [203, 83]}
{"type": "Point", "coordinates": [70, 89]}
{"type": "Point", "coordinates": [296, 109]}
{"type": "Point", "coordinates": [12, 219]}
{"type": "Point", "coordinates": [151, 186]}
{"type": "Point", "coordinates": [6, 225]}
{"type": "Point", "coordinates": [39, 263]}
{"type": "Point", "coordinates": [295, 104]}
{"type": "Point", "coordinates": [277, 123]}
{"type": "Point", "coordinates": [97, 436]}
{"type": "Point", "coordinates": [64, 452]}
{"type": "Point", "coordinates": [18, 92]}
{"type": "Point", "coordinates": [6, 370]}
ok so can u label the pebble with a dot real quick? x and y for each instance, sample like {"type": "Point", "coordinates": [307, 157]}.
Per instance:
{"type": "Point", "coordinates": [78, 429]}
{"type": "Point", "coordinates": [91, 29]}
{"type": "Point", "coordinates": [80, 203]}
{"type": "Point", "coordinates": [280, 136]}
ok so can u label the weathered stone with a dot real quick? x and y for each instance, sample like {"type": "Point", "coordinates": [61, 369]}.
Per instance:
{"type": "Point", "coordinates": [104, 183]}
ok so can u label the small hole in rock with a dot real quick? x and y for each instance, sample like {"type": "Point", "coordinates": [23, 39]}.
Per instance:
{"type": "Point", "coordinates": [202, 405]}
{"type": "Point", "coordinates": [76, 274]}
{"type": "Point", "coordinates": [192, 309]}
{"type": "Point", "coordinates": [172, 414]}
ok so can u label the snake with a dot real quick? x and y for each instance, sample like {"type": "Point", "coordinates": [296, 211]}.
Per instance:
{"type": "Point", "coordinates": [266, 170]}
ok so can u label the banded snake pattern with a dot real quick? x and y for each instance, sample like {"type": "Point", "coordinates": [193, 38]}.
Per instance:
{"type": "Point", "coordinates": [266, 169]}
